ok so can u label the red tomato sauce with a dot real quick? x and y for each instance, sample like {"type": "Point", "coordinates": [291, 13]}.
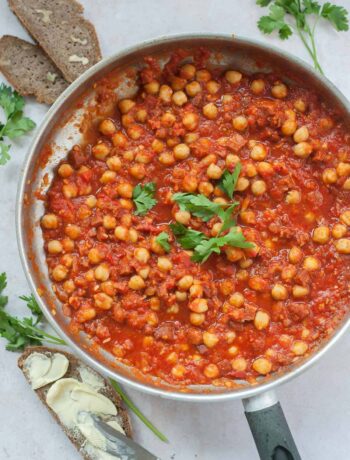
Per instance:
{"type": "Point", "coordinates": [266, 306]}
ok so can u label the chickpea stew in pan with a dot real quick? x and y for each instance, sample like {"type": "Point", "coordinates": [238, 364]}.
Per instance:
{"type": "Point", "coordinates": [201, 233]}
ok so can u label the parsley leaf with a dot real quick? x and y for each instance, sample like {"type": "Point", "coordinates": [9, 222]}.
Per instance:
{"type": "Point", "coordinates": [163, 240]}
{"type": "Point", "coordinates": [187, 237]}
{"type": "Point", "coordinates": [16, 124]}
{"type": "Point", "coordinates": [337, 16]}
{"type": "Point", "coordinates": [198, 205]}
{"type": "Point", "coordinates": [301, 11]}
{"type": "Point", "coordinates": [228, 181]}
{"type": "Point", "coordinates": [143, 196]}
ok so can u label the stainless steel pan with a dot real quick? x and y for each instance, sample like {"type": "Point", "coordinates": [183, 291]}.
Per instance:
{"type": "Point", "coordinates": [60, 130]}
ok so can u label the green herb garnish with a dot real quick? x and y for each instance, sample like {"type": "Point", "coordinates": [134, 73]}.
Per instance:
{"type": "Point", "coordinates": [163, 240]}
{"type": "Point", "coordinates": [198, 205]}
{"type": "Point", "coordinates": [302, 11]}
{"type": "Point", "coordinates": [143, 196]}
{"type": "Point", "coordinates": [203, 246]}
{"type": "Point", "coordinates": [20, 333]}
{"type": "Point", "coordinates": [229, 180]}
{"type": "Point", "coordinates": [16, 124]}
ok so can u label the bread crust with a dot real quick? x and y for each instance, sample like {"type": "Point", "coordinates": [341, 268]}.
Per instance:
{"type": "Point", "coordinates": [74, 364]}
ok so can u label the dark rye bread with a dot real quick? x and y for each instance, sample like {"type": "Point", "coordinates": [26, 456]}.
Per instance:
{"type": "Point", "coordinates": [75, 436]}
{"type": "Point", "coordinates": [61, 30]}
{"type": "Point", "coordinates": [29, 70]}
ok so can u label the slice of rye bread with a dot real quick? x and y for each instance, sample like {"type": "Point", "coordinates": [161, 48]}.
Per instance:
{"type": "Point", "coordinates": [29, 70]}
{"type": "Point", "coordinates": [61, 30]}
{"type": "Point", "coordinates": [73, 371]}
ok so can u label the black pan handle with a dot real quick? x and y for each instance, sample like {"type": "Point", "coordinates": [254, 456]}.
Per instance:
{"type": "Point", "coordinates": [269, 428]}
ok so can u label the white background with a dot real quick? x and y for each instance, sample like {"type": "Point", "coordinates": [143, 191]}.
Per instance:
{"type": "Point", "coordinates": [316, 404]}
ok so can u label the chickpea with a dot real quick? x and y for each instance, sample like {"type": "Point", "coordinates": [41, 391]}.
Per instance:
{"type": "Point", "coordinates": [125, 190]}
{"type": "Point", "coordinates": [119, 140]}
{"type": "Point", "coordinates": [210, 339]}
{"type": "Point", "coordinates": [54, 247]}
{"type": "Point", "coordinates": [167, 119]}
{"type": "Point", "coordinates": [203, 75]}
{"type": "Point", "coordinates": [128, 155]}
{"type": "Point", "coordinates": [227, 98]}
{"type": "Point", "coordinates": [288, 272]}
{"type": "Point", "coordinates": [311, 263]}
{"type": "Point", "coordinates": [261, 320]}
{"type": "Point", "coordinates": [237, 300]}
{"type": "Point", "coordinates": [300, 291]}
{"type": "Point", "coordinates": [213, 87]}
{"type": "Point", "coordinates": [248, 217]}
{"type": "Point", "coordinates": [136, 283]}
{"type": "Point", "coordinates": [289, 127]}
{"type": "Point", "coordinates": [214, 171]}
{"type": "Point", "coordinates": [179, 98]}
{"type": "Point", "coordinates": [232, 76]}
{"type": "Point", "coordinates": [135, 132]}
{"type": "Point", "coordinates": [166, 159]}
{"type": "Point", "coordinates": [193, 88]}
{"type": "Point", "coordinates": [301, 134]}
{"type": "Point", "coordinates": [279, 91]}
{"type": "Point", "coordinates": [114, 163]}
{"type": "Point", "coordinates": [107, 127]}
{"type": "Point", "coordinates": [69, 286]}
{"type": "Point", "coordinates": [70, 190]}
{"type": "Point", "coordinates": [216, 229]}
{"type": "Point", "coordinates": [258, 152]}
{"type": "Point", "coordinates": [68, 245]}
{"type": "Point", "coordinates": [152, 87]}
{"type": "Point", "coordinates": [141, 115]}
{"type": "Point", "coordinates": [242, 184]}
{"type": "Point", "coordinates": [205, 188]}
{"type": "Point", "coordinates": [185, 282]}
{"type": "Point", "coordinates": [178, 371]}
{"type": "Point", "coordinates": [91, 201]}
{"type": "Point", "coordinates": [240, 123]}
{"type": "Point", "coordinates": [95, 256]}
{"type": "Point", "coordinates": [230, 337]}
{"type": "Point", "coordinates": [345, 218]}
{"type": "Point", "coordinates": [101, 150]}
{"type": "Point", "coordinates": [303, 149]}
{"type": "Point", "coordinates": [138, 171]}
{"type": "Point", "coordinates": [279, 292]}
{"type": "Point", "coordinates": [126, 105]}
{"type": "Point", "coordinates": [262, 365]}
{"type": "Point", "coordinates": [293, 197]}
{"type": "Point", "coordinates": [321, 234]}
{"type": "Point", "coordinates": [239, 364]}
{"type": "Point", "coordinates": [188, 71]}
{"type": "Point", "coordinates": [102, 272]}
{"type": "Point", "coordinates": [198, 305]}
{"type": "Point", "coordinates": [251, 170]}
{"type": "Point", "coordinates": [310, 217]}
{"type": "Point", "coordinates": [164, 264]}
{"type": "Point", "coordinates": [59, 273]}
{"type": "Point", "coordinates": [329, 176]}
{"type": "Point", "coordinates": [299, 347]}
{"type": "Point", "coordinates": [165, 93]}
{"type": "Point", "coordinates": [181, 151]}
{"type": "Point", "coordinates": [65, 170]}
{"type": "Point", "coordinates": [180, 296]}
{"type": "Point", "coordinates": [265, 169]}
{"type": "Point", "coordinates": [190, 184]}
{"type": "Point", "coordinates": [300, 105]}
{"type": "Point", "coordinates": [156, 247]}
{"type": "Point", "coordinates": [343, 246]}
{"type": "Point", "coordinates": [210, 111]}
{"type": "Point", "coordinates": [257, 86]}
{"type": "Point", "coordinates": [338, 231]}
{"type": "Point", "coordinates": [232, 160]}
{"type": "Point", "coordinates": [234, 254]}
{"type": "Point", "coordinates": [211, 371]}
{"type": "Point", "coordinates": [103, 301]}
{"type": "Point", "coordinates": [197, 319]}
{"type": "Point", "coordinates": [190, 121]}
{"type": "Point", "coordinates": [49, 221]}
{"type": "Point", "coordinates": [121, 233]}
{"type": "Point", "coordinates": [183, 217]}
{"type": "Point", "coordinates": [142, 255]}
{"type": "Point", "coordinates": [258, 187]}
{"type": "Point", "coordinates": [86, 314]}
{"type": "Point", "coordinates": [346, 185]}
{"type": "Point", "coordinates": [343, 169]}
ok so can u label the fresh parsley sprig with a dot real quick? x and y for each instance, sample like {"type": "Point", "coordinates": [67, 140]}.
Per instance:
{"type": "Point", "coordinates": [15, 124]}
{"type": "Point", "coordinates": [305, 15]}
{"type": "Point", "coordinates": [163, 240]}
{"type": "Point", "coordinates": [143, 196]}
{"type": "Point", "coordinates": [20, 333]}
{"type": "Point", "coordinates": [228, 181]}
{"type": "Point", "coordinates": [203, 246]}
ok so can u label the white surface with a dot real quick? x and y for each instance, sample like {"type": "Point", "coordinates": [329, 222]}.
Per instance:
{"type": "Point", "coordinates": [317, 404]}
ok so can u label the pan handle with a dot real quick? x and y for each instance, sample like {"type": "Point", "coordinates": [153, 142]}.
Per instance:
{"type": "Point", "coordinates": [269, 428]}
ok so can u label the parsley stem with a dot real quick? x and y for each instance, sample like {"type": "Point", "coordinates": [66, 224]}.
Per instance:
{"type": "Point", "coordinates": [136, 411]}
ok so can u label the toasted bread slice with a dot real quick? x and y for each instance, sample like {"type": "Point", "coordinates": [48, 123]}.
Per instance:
{"type": "Point", "coordinates": [61, 30]}
{"type": "Point", "coordinates": [29, 70]}
{"type": "Point", "coordinates": [74, 371]}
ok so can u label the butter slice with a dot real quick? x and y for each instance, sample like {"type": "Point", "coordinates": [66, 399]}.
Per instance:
{"type": "Point", "coordinates": [43, 369]}
{"type": "Point", "coordinates": [91, 378]}
{"type": "Point", "coordinates": [69, 398]}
